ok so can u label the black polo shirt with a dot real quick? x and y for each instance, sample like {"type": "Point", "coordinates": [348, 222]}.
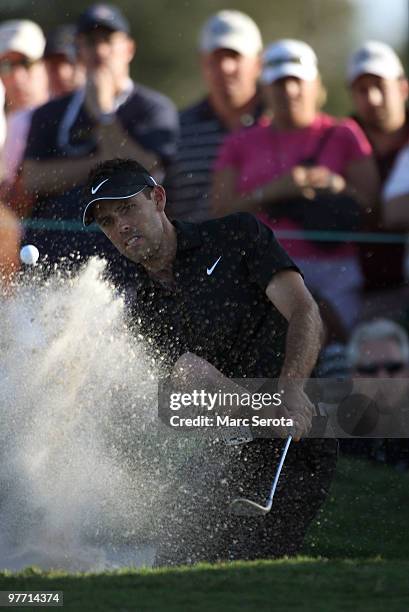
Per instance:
{"type": "Point", "coordinates": [218, 308]}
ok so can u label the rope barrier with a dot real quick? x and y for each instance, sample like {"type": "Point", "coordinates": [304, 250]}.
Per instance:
{"type": "Point", "coordinates": [316, 236]}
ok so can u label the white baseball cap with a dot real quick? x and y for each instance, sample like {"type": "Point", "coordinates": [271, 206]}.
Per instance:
{"type": "Point", "coordinates": [22, 36]}
{"type": "Point", "coordinates": [377, 58]}
{"type": "Point", "coordinates": [231, 30]}
{"type": "Point", "coordinates": [288, 57]}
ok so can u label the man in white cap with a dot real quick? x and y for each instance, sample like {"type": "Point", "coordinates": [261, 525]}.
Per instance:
{"type": "Point", "coordinates": [2, 120]}
{"type": "Point", "coordinates": [23, 75]}
{"type": "Point", "coordinates": [379, 91]}
{"type": "Point", "coordinates": [21, 68]}
{"type": "Point", "coordinates": [230, 46]}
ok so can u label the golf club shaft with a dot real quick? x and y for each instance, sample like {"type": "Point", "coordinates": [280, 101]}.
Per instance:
{"type": "Point", "coordinates": [278, 471]}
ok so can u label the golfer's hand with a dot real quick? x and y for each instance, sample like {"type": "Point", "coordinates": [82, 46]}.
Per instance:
{"type": "Point", "coordinates": [298, 407]}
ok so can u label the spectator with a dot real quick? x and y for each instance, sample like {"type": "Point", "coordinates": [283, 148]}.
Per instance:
{"type": "Point", "coordinates": [303, 154]}
{"type": "Point", "coordinates": [379, 349]}
{"type": "Point", "coordinates": [25, 82]}
{"type": "Point", "coordinates": [65, 74]}
{"type": "Point", "coordinates": [396, 194]}
{"type": "Point", "coordinates": [379, 92]}
{"type": "Point", "coordinates": [10, 234]}
{"type": "Point", "coordinates": [21, 67]}
{"type": "Point", "coordinates": [111, 116]}
{"type": "Point", "coordinates": [2, 126]}
{"type": "Point", "coordinates": [230, 47]}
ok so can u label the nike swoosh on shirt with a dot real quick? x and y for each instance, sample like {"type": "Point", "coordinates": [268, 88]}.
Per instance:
{"type": "Point", "coordinates": [95, 189]}
{"type": "Point", "coordinates": [210, 270]}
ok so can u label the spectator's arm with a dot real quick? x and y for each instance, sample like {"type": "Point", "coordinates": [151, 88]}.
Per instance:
{"type": "Point", "coordinates": [10, 235]}
{"type": "Point", "coordinates": [395, 201]}
{"type": "Point", "coordinates": [226, 200]}
{"type": "Point", "coordinates": [115, 138]}
{"type": "Point", "coordinates": [396, 213]}
{"type": "Point", "coordinates": [360, 171]}
{"type": "Point", "coordinates": [363, 183]}
{"type": "Point", "coordinates": [51, 176]}
{"type": "Point", "coordinates": [58, 175]}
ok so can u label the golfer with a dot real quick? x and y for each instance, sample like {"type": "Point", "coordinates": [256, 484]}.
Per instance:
{"type": "Point", "coordinates": [222, 300]}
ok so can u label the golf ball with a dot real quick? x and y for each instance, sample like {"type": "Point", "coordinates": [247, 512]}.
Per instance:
{"type": "Point", "coordinates": [29, 254]}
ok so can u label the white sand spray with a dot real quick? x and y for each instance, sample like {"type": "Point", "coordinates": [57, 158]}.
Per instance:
{"type": "Point", "coordinates": [82, 454]}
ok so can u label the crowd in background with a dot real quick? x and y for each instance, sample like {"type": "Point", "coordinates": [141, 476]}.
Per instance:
{"type": "Point", "coordinates": [334, 190]}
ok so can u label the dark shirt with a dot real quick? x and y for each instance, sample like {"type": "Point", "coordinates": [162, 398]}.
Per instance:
{"type": "Point", "coordinates": [62, 129]}
{"type": "Point", "coordinates": [224, 317]}
{"type": "Point", "coordinates": [189, 178]}
{"type": "Point", "coordinates": [383, 264]}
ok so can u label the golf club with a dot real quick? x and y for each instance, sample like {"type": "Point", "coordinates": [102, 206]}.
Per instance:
{"type": "Point", "coordinates": [245, 507]}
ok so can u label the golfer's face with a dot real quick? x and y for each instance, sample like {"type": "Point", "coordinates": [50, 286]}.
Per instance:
{"type": "Point", "coordinates": [133, 225]}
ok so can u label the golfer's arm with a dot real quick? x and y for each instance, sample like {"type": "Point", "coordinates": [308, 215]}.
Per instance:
{"type": "Point", "coordinates": [193, 372]}
{"type": "Point", "coordinates": [290, 296]}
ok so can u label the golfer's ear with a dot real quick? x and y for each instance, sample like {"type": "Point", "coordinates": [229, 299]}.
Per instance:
{"type": "Point", "coordinates": [158, 194]}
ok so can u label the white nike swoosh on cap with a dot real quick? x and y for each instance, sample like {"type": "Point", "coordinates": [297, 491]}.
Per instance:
{"type": "Point", "coordinates": [95, 189]}
{"type": "Point", "coordinates": [210, 270]}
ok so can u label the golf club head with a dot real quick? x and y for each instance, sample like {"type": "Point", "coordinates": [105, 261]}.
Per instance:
{"type": "Point", "coordinates": [246, 507]}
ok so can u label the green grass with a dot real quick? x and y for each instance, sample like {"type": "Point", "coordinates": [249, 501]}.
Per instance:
{"type": "Point", "coordinates": [302, 584]}
{"type": "Point", "coordinates": [366, 514]}
{"type": "Point", "coordinates": [360, 544]}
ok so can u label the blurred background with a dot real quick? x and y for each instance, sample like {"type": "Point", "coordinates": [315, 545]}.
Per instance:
{"type": "Point", "coordinates": [167, 30]}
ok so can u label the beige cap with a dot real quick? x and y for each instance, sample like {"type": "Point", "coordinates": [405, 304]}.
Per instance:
{"type": "Point", "coordinates": [231, 30]}
{"type": "Point", "coordinates": [289, 58]}
{"type": "Point", "coordinates": [374, 57]}
{"type": "Point", "coordinates": [22, 36]}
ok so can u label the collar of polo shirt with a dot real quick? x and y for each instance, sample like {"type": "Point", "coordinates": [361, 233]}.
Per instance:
{"type": "Point", "coordinates": [188, 235]}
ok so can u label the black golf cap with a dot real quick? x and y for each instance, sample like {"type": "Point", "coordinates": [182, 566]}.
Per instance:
{"type": "Point", "coordinates": [102, 16]}
{"type": "Point", "coordinates": [61, 41]}
{"type": "Point", "coordinates": [122, 185]}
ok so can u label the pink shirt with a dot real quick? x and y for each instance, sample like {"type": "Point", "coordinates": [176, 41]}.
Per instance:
{"type": "Point", "coordinates": [262, 153]}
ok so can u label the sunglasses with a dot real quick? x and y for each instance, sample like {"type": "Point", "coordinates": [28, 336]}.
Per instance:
{"type": "Point", "coordinates": [391, 367]}
{"type": "Point", "coordinates": [7, 66]}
